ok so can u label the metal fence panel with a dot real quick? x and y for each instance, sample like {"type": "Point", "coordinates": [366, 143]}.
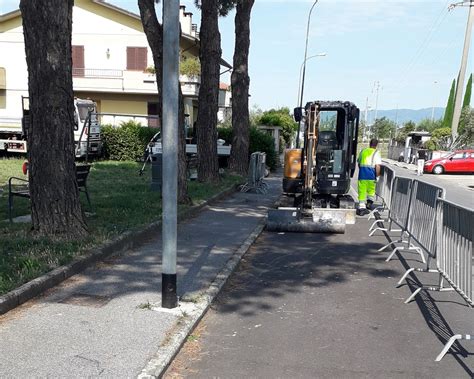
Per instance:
{"type": "Point", "coordinates": [256, 173]}
{"type": "Point", "coordinates": [400, 202]}
{"type": "Point", "coordinates": [422, 217]}
{"type": "Point", "coordinates": [455, 229]}
{"type": "Point", "coordinates": [389, 177]}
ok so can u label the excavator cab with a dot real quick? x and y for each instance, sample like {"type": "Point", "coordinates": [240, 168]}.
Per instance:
{"type": "Point", "coordinates": [317, 176]}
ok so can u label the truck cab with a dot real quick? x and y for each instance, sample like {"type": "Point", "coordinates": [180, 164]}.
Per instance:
{"type": "Point", "coordinates": [87, 139]}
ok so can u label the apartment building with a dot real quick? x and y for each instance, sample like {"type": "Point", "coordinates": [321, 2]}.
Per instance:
{"type": "Point", "coordinates": [110, 56]}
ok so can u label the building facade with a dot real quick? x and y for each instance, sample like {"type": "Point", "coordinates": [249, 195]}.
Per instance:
{"type": "Point", "coordinates": [111, 63]}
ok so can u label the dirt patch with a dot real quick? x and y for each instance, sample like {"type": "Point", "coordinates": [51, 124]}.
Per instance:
{"type": "Point", "coordinates": [189, 353]}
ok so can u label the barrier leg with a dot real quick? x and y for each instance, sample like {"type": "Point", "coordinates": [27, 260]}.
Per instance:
{"type": "Point", "coordinates": [374, 211]}
{"type": "Point", "coordinates": [402, 279]}
{"type": "Point", "coordinates": [413, 295]}
{"type": "Point", "coordinates": [375, 223]}
{"type": "Point", "coordinates": [410, 270]}
{"type": "Point", "coordinates": [449, 344]}
{"type": "Point", "coordinates": [392, 243]}
{"type": "Point", "coordinates": [401, 248]}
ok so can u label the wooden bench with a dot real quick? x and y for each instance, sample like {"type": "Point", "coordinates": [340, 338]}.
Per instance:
{"type": "Point", "coordinates": [20, 187]}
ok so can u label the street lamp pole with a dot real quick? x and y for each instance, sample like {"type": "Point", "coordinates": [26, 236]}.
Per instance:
{"type": "Point", "coordinates": [301, 69]}
{"type": "Point", "coordinates": [169, 297]}
{"type": "Point", "coordinates": [304, 71]}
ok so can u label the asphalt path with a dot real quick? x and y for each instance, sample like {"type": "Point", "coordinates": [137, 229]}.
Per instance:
{"type": "Point", "coordinates": [326, 306]}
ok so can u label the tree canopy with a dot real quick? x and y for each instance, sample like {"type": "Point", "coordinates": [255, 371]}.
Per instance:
{"type": "Point", "coordinates": [280, 117]}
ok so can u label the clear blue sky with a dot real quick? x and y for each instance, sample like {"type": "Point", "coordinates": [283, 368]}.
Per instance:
{"type": "Point", "coordinates": [405, 45]}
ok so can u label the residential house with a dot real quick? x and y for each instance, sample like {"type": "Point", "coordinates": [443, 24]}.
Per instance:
{"type": "Point", "coordinates": [225, 103]}
{"type": "Point", "coordinates": [110, 56]}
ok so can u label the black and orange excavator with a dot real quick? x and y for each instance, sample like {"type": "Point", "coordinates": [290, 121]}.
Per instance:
{"type": "Point", "coordinates": [317, 176]}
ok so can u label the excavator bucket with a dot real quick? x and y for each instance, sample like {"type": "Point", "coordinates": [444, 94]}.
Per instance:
{"type": "Point", "coordinates": [318, 221]}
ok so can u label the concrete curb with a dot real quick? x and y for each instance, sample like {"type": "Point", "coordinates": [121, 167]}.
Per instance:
{"type": "Point", "coordinates": [194, 312]}
{"type": "Point", "coordinates": [127, 240]}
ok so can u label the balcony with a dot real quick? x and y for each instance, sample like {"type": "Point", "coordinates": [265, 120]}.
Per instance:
{"type": "Point", "coordinates": [190, 85]}
{"type": "Point", "coordinates": [113, 81]}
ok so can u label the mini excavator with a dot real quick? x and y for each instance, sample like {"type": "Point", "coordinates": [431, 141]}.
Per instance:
{"type": "Point", "coordinates": [317, 176]}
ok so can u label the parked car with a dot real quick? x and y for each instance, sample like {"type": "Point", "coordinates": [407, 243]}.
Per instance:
{"type": "Point", "coordinates": [458, 161]}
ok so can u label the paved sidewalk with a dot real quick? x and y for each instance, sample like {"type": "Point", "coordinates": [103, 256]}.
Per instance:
{"type": "Point", "coordinates": [107, 321]}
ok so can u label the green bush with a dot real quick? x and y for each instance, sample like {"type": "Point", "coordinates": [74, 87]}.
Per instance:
{"type": "Point", "coordinates": [280, 117]}
{"type": "Point", "coordinates": [190, 66]}
{"type": "Point", "coordinates": [259, 141]}
{"type": "Point", "coordinates": [225, 133]}
{"type": "Point", "coordinates": [127, 142]}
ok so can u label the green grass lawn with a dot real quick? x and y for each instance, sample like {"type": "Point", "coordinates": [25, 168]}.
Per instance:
{"type": "Point", "coordinates": [121, 200]}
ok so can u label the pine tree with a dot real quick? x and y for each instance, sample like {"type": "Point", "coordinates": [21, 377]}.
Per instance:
{"type": "Point", "coordinates": [448, 113]}
{"type": "Point", "coordinates": [55, 206]}
{"type": "Point", "coordinates": [467, 94]}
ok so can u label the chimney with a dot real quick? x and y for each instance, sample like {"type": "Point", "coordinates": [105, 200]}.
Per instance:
{"type": "Point", "coordinates": [186, 20]}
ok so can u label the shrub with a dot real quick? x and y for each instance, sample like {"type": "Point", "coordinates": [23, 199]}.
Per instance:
{"type": "Point", "coordinates": [127, 142]}
{"type": "Point", "coordinates": [190, 66]}
{"type": "Point", "coordinates": [225, 133]}
{"type": "Point", "coordinates": [280, 117]}
{"type": "Point", "coordinates": [259, 141]}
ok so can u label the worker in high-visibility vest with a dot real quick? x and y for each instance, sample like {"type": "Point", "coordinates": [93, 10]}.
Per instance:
{"type": "Point", "coordinates": [369, 169]}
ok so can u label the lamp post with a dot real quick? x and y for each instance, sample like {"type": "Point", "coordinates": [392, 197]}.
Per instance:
{"type": "Point", "coordinates": [301, 69]}
{"type": "Point", "coordinates": [304, 70]}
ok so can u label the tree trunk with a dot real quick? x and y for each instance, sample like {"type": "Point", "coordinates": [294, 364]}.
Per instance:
{"type": "Point", "coordinates": [154, 33]}
{"type": "Point", "coordinates": [240, 82]}
{"type": "Point", "coordinates": [55, 206]}
{"type": "Point", "coordinates": [206, 125]}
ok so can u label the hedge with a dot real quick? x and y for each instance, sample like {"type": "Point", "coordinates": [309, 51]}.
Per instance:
{"type": "Point", "coordinates": [126, 142]}
{"type": "Point", "coordinates": [259, 141]}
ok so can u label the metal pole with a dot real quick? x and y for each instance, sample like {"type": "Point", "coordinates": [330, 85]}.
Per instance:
{"type": "Point", "coordinates": [376, 99]}
{"type": "Point", "coordinates": [364, 134]}
{"type": "Point", "coordinates": [171, 33]}
{"type": "Point", "coordinates": [304, 71]}
{"type": "Point", "coordinates": [462, 73]}
{"type": "Point", "coordinates": [301, 70]}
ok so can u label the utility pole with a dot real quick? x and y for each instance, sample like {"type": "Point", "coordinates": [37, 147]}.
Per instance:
{"type": "Point", "coordinates": [364, 136]}
{"type": "Point", "coordinates": [377, 88]}
{"type": "Point", "coordinates": [169, 298]}
{"type": "Point", "coordinates": [462, 71]}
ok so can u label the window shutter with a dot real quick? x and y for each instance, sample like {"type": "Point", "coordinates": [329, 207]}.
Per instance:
{"type": "Point", "coordinates": [141, 58]}
{"type": "Point", "coordinates": [136, 58]}
{"type": "Point", "coordinates": [78, 61]}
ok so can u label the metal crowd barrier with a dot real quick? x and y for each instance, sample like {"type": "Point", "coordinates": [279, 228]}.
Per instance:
{"type": "Point", "coordinates": [399, 210]}
{"type": "Point", "coordinates": [421, 226]}
{"type": "Point", "coordinates": [455, 231]}
{"type": "Point", "coordinates": [441, 229]}
{"type": "Point", "coordinates": [257, 170]}
{"type": "Point", "coordinates": [383, 190]}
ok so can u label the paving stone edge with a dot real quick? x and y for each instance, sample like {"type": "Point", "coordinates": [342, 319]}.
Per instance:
{"type": "Point", "coordinates": [127, 240]}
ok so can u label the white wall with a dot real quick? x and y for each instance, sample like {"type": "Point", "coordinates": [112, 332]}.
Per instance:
{"type": "Point", "coordinates": [97, 34]}
{"type": "Point", "coordinates": [12, 58]}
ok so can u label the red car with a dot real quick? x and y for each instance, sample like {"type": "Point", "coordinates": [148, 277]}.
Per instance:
{"type": "Point", "coordinates": [458, 161]}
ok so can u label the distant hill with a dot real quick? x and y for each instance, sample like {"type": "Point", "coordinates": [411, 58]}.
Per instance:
{"type": "Point", "coordinates": [405, 115]}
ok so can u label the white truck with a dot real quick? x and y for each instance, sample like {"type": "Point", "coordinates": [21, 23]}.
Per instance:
{"type": "Point", "coordinates": [87, 139]}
